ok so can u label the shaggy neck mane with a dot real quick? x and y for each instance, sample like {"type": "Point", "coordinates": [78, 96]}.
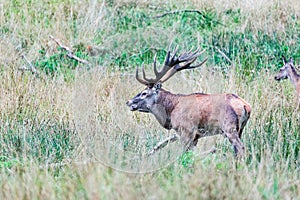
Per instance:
{"type": "Point", "coordinates": [167, 100]}
{"type": "Point", "coordinates": [163, 107]}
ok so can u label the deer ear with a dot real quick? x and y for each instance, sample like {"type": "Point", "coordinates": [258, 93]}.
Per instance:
{"type": "Point", "coordinates": [284, 59]}
{"type": "Point", "coordinates": [157, 86]}
{"type": "Point", "coordinates": [291, 60]}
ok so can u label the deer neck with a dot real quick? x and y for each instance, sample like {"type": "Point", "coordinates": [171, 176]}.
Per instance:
{"type": "Point", "coordinates": [163, 107]}
{"type": "Point", "coordinates": [294, 77]}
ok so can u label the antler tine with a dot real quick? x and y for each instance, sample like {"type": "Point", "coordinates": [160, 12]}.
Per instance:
{"type": "Point", "coordinates": [171, 61]}
{"type": "Point", "coordinates": [189, 55]}
{"type": "Point", "coordinates": [186, 54]}
{"type": "Point", "coordinates": [167, 57]}
{"type": "Point", "coordinates": [144, 74]}
{"type": "Point", "coordinates": [185, 63]}
{"type": "Point", "coordinates": [172, 65]}
{"type": "Point", "coordinates": [154, 65]}
{"type": "Point", "coordinates": [138, 78]}
{"type": "Point", "coordinates": [179, 67]}
{"type": "Point", "coordinates": [169, 75]}
{"type": "Point", "coordinates": [175, 52]}
{"type": "Point", "coordinates": [195, 66]}
{"type": "Point", "coordinates": [159, 75]}
{"type": "Point", "coordinates": [196, 54]}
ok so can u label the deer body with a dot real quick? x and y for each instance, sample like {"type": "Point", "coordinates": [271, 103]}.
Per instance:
{"type": "Point", "coordinates": [195, 115]}
{"type": "Point", "coordinates": [199, 115]}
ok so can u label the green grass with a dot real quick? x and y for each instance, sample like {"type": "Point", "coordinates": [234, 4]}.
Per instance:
{"type": "Point", "coordinates": [67, 134]}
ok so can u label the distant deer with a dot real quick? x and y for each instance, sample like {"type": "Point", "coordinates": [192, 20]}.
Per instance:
{"type": "Point", "coordinates": [194, 115]}
{"type": "Point", "coordinates": [288, 71]}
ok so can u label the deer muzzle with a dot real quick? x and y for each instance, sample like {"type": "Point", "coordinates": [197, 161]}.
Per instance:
{"type": "Point", "coordinates": [133, 106]}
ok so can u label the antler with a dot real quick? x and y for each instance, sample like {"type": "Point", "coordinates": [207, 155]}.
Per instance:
{"type": "Point", "coordinates": [172, 65]}
{"type": "Point", "coordinates": [169, 62]}
{"type": "Point", "coordinates": [186, 59]}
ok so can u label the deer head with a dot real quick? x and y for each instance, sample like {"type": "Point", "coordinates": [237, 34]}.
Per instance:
{"type": "Point", "coordinates": [145, 100]}
{"type": "Point", "coordinates": [284, 72]}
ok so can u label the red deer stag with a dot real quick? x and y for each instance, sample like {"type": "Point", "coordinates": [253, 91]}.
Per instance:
{"type": "Point", "coordinates": [194, 115]}
{"type": "Point", "coordinates": [288, 71]}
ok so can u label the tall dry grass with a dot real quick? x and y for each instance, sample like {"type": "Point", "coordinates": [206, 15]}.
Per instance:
{"type": "Point", "coordinates": [91, 170]}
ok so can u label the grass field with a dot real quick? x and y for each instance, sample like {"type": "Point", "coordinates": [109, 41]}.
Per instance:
{"type": "Point", "coordinates": [66, 132]}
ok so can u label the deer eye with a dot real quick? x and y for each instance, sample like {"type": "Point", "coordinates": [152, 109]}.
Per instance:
{"type": "Point", "coordinates": [144, 94]}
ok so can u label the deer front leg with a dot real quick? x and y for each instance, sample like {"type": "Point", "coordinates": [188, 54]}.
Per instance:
{"type": "Point", "coordinates": [163, 143]}
{"type": "Point", "coordinates": [189, 138]}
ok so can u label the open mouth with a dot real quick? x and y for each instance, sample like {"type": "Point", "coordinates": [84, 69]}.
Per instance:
{"type": "Point", "coordinates": [133, 107]}
{"type": "Point", "coordinates": [143, 110]}
{"type": "Point", "coordinates": [279, 78]}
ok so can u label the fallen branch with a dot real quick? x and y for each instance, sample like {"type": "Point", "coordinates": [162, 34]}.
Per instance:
{"type": "Point", "coordinates": [30, 68]}
{"type": "Point", "coordinates": [224, 55]}
{"type": "Point", "coordinates": [163, 143]}
{"type": "Point", "coordinates": [186, 11]}
{"type": "Point", "coordinates": [69, 51]}
{"type": "Point", "coordinates": [67, 163]}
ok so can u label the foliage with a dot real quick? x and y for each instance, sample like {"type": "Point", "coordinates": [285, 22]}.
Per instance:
{"type": "Point", "coordinates": [37, 141]}
{"type": "Point", "coordinates": [59, 63]}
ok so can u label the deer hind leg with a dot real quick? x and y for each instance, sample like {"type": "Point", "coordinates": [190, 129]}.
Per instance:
{"type": "Point", "coordinates": [236, 142]}
{"type": "Point", "coordinates": [241, 131]}
{"type": "Point", "coordinates": [243, 121]}
{"type": "Point", "coordinates": [233, 132]}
